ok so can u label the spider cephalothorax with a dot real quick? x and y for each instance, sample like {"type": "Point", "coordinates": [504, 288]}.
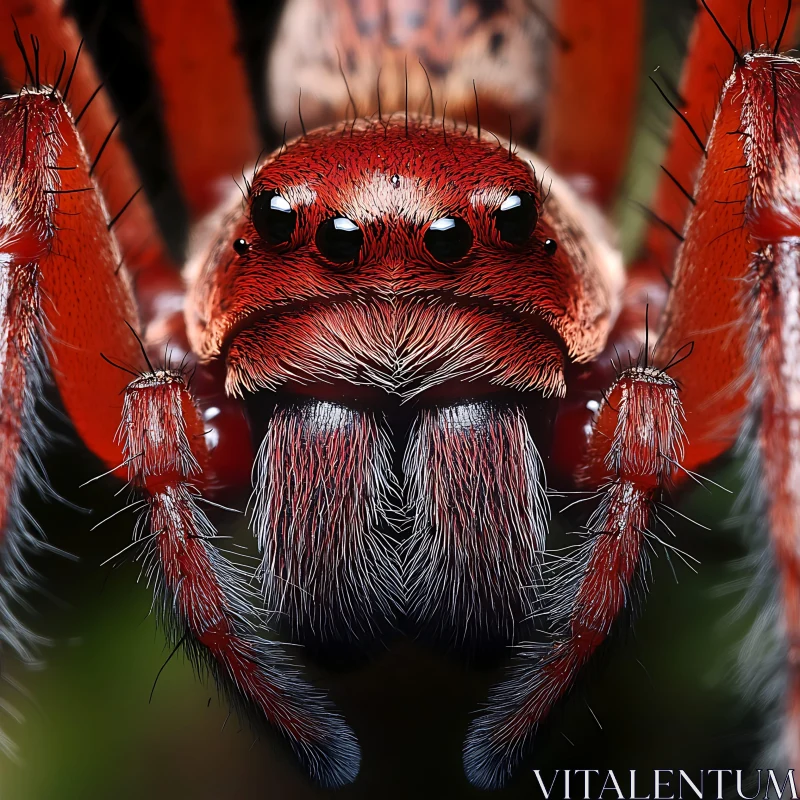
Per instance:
{"type": "Point", "coordinates": [398, 213]}
{"type": "Point", "coordinates": [419, 311]}
{"type": "Point", "coordinates": [405, 326]}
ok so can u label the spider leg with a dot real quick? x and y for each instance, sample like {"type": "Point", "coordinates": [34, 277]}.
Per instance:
{"type": "Point", "coordinates": [587, 127]}
{"type": "Point", "coordinates": [636, 441]}
{"type": "Point", "coordinates": [62, 302]}
{"type": "Point", "coordinates": [157, 283]}
{"type": "Point", "coordinates": [205, 596]}
{"type": "Point", "coordinates": [57, 243]}
{"type": "Point", "coordinates": [708, 60]}
{"type": "Point", "coordinates": [207, 106]}
{"type": "Point", "coordinates": [728, 347]}
{"type": "Point", "coordinates": [736, 301]}
{"type": "Point", "coordinates": [135, 228]}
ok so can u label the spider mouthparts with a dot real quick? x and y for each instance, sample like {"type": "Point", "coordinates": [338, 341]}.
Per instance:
{"type": "Point", "coordinates": [360, 547]}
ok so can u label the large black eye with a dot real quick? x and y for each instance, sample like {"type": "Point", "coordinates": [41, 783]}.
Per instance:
{"type": "Point", "coordinates": [448, 239]}
{"type": "Point", "coordinates": [516, 218]}
{"type": "Point", "coordinates": [339, 239]}
{"type": "Point", "coordinates": [272, 217]}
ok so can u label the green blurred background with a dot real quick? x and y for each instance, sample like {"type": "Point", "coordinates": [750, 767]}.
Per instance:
{"type": "Point", "coordinates": [666, 698]}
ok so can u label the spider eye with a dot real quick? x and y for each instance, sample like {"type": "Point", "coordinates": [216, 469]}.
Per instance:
{"type": "Point", "coordinates": [516, 218]}
{"type": "Point", "coordinates": [272, 217]}
{"type": "Point", "coordinates": [448, 239]}
{"type": "Point", "coordinates": [339, 239]}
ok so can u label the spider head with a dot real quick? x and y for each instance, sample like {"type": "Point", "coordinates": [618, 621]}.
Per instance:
{"type": "Point", "coordinates": [402, 256]}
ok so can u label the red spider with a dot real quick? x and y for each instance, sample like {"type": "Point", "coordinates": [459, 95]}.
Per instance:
{"type": "Point", "coordinates": [416, 322]}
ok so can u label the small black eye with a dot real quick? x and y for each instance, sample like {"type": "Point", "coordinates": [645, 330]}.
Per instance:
{"type": "Point", "coordinates": [241, 246]}
{"type": "Point", "coordinates": [272, 217]}
{"type": "Point", "coordinates": [448, 239]}
{"type": "Point", "coordinates": [516, 218]}
{"type": "Point", "coordinates": [339, 239]}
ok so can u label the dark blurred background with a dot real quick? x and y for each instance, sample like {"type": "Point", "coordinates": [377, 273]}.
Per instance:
{"type": "Point", "coordinates": [665, 698]}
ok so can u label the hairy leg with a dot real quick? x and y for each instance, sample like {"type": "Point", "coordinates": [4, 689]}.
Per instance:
{"type": "Point", "coordinates": [588, 122]}
{"type": "Point", "coordinates": [636, 442]}
{"type": "Point", "coordinates": [62, 301]}
{"type": "Point", "coordinates": [51, 39]}
{"type": "Point", "coordinates": [208, 110]}
{"type": "Point", "coordinates": [56, 224]}
{"type": "Point", "coordinates": [206, 600]}
{"type": "Point", "coordinates": [708, 61]}
{"type": "Point", "coordinates": [736, 297]}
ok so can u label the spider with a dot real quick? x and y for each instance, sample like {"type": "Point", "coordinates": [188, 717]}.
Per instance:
{"type": "Point", "coordinates": [408, 327]}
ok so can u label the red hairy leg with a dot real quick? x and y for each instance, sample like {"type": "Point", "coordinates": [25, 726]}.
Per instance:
{"type": "Point", "coordinates": [207, 106]}
{"type": "Point", "coordinates": [205, 597]}
{"type": "Point", "coordinates": [55, 223]}
{"type": "Point", "coordinates": [708, 59]}
{"type": "Point", "coordinates": [711, 314]}
{"type": "Point", "coordinates": [636, 443]}
{"type": "Point", "coordinates": [324, 497]}
{"type": "Point", "coordinates": [158, 285]}
{"type": "Point", "coordinates": [62, 301]}
{"type": "Point", "coordinates": [738, 274]}
{"type": "Point", "coordinates": [58, 38]}
{"type": "Point", "coordinates": [590, 113]}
